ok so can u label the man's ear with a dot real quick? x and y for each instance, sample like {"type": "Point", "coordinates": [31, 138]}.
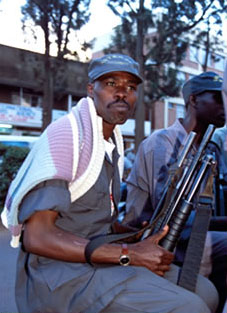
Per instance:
{"type": "Point", "coordinates": [192, 101]}
{"type": "Point", "coordinates": [90, 90]}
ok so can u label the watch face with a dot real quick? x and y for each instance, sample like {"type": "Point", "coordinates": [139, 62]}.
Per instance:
{"type": "Point", "coordinates": [124, 260]}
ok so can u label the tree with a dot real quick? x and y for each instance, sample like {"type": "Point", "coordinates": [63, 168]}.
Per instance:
{"type": "Point", "coordinates": [209, 39]}
{"type": "Point", "coordinates": [163, 42]}
{"type": "Point", "coordinates": [135, 22]}
{"type": "Point", "coordinates": [57, 19]}
{"type": "Point", "coordinates": [11, 159]}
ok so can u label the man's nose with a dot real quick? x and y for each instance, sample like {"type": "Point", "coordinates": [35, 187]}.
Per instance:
{"type": "Point", "coordinates": [121, 91]}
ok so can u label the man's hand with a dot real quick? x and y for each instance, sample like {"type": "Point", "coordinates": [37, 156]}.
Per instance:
{"type": "Point", "coordinates": [149, 254]}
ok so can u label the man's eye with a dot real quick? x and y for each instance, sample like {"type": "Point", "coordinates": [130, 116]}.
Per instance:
{"type": "Point", "coordinates": [110, 83]}
{"type": "Point", "coordinates": [132, 87]}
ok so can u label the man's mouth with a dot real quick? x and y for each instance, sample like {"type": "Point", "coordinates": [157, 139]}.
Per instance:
{"type": "Point", "coordinates": [121, 106]}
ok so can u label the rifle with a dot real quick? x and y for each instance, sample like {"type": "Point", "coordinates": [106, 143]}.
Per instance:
{"type": "Point", "coordinates": [175, 204]}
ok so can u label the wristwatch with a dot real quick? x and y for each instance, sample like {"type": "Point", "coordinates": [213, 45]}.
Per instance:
{"type": "Point", "coordinates": [124, 257]}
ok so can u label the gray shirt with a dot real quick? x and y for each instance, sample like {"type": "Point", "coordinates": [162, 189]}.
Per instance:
{"type": "Point", "coordinates": [47, 285]}
{"type": "Point", "coordinates": [220, 138]}
{"type": "Point", "coordinates": [151, 170]}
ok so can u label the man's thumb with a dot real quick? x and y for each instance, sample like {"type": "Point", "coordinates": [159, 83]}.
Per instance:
{"type": "Point", "coordinates": [157, 237]}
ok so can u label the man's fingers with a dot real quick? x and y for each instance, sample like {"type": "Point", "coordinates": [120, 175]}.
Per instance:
{"type": "Point", "coordinates": [162, 233]}
{"type": "Point", "coordinates": [159, 273]}
{"type": "Point", "coordinates": [144, 223]}
{"type": "Point", "coordinates": [163, 268]}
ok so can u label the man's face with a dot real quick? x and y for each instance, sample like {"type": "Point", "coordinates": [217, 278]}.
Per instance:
{"type": "Point", "coordinates": [114, 96]}
{"type": "Point", "coordinates": [210, 108]}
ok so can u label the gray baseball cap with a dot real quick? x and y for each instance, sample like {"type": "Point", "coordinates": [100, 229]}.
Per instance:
{"type": "Point", "coordinates": [207, 81]}
{"type": "Point", "coordinates": [113, 63]}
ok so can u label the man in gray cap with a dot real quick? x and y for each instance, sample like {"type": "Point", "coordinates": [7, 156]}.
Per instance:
{"type": "Point", "coordinates": [157, 153]}
{"type": "Point", "coordinates": [64, 198]}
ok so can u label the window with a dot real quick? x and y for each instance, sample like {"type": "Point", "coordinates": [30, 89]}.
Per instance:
{"type": "Point", "coordinates": [193, 54]}
{"type": "Point", "coordinates": [203, 56]}
{"type": "Point", "coordinates": [170, 105]}
{"type": "Point", "coordinates": [181, 76]}
{"type": "Point", "coordinates": [210, 60]}
{"type": "Point", "coordinates": [180, 110]}
{"type": "Point", "coordinates": [27, 100]}
{"type": "Point", "coordinates": [219, 63]}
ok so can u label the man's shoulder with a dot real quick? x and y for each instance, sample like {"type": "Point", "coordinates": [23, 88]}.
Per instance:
{"type": "Point", "coordinates": [221, 132]}
{"type": "Point", "coordinates": [220, 136]}
{"type": "Point", "coordinates": [163, 134]}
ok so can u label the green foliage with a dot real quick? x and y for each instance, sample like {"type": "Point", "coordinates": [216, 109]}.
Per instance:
{"type": "Point", "coordinates": [11, 160]}
{"type": "Point", "coordinates": [125, 43]}
{"type": "Point", "coordinates": [212, 45]}
{"type": "Point", "coordinates": [160, 49]}
{"type": "Point", "coordinates": [57, 19]}
{"type": "Point", "coordinates": [166, 35]}
{"type": "Point", "coordinates": [156, 34]}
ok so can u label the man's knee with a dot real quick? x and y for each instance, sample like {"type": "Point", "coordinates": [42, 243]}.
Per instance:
{"type": "Point", "coordinates": [207, 292]}
{"type": "Point", "coordinates": [196, 304]}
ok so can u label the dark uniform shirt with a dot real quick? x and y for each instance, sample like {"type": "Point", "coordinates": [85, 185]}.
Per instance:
{"type": "Point", "coordinates": [47, 285]}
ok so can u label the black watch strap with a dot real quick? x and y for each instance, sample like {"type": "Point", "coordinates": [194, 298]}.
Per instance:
{"type": "Point", "coordinates": [96, 242]}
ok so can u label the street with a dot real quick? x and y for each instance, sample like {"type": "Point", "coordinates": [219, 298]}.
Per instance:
{"type": "Point", "coordinates": [8, 257]}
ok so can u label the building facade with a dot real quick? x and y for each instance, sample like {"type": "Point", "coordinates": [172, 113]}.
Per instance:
{"type": "Point", "coordinates": [167, 110]}
{"type": "Point", "coordinates": [21, 91]}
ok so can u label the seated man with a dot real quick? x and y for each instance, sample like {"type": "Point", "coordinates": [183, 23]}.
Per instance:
{"type": "Point", "coordinates": [67, 192]}
{"type": "Point", "coordinates": [145, 185]}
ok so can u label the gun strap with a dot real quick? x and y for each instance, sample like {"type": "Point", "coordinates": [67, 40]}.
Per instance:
{"type": "Point", "coordinates": [190, 269]}
{"type": "Point", "coordinates": [98, 241]}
